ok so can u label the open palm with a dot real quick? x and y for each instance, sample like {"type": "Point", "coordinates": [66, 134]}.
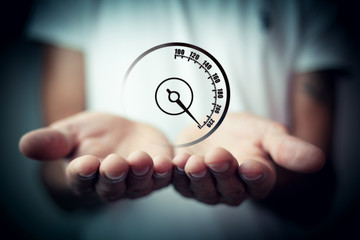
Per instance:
{"type": "Point", "coordinates": [240, 160]}
{"type": "Point", "coordinates": [105, 154]}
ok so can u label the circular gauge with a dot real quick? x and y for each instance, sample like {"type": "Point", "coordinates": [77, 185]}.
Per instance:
{"type": "Point", "coordinates": [174, 86]}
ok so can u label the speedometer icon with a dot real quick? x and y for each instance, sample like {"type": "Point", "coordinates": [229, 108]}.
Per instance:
{"type": "Point", "coordinates": [188, 87]}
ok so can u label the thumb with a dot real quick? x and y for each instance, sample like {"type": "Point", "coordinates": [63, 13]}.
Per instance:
{"type": "Point", "coordinates": [46, 144]}
{"type": "Point", "coordinates": [293, 153]}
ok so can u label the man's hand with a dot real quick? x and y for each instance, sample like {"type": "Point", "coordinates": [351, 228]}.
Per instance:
{"type": "Point", "coordinates": [240, 160]}
{"type": "Point", "coordinates": [104, 154]}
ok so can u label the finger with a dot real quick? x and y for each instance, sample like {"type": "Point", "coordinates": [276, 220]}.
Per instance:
{"type": "Point", "coordinates": [201, 183]}
{"type": "Point", "coordinates": [139, 180]}
{"type": "Point", "coordinates": [111, 184]}
{"type": "Point", "coordinates": [47, 144]}
{"type": "Point", "coordinates": [81, 174]}
{"type": "Point", "coordinates": [180, 180]}
{"type": "Point", "coordinates": [224, 168]}
{"type": "Point", "coordinates": [162, 172]}
{"type": "Point", "coordinates": [259, 177]}
{"type": "Point", "coordinates": [292, 153]}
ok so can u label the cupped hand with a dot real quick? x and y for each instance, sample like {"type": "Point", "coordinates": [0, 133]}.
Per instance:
{"type": "Point", "coordinates": [105, 154]}
{"type": "Point", "coordinates": [240, 160]}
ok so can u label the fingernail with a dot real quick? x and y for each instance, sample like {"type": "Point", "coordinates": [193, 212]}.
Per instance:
{"type": "Point", "coordinates": [180, 169]}
{"type": "Point", "coordinates": [251, 177]}
{"type": "Point", "coordinates": [115, 176]}
{"type": "Point", "coordinates": [160, 174]}
{"type": "Point", "coordinates": [87, 175]}
{"type": "Point", "coordinates": [140, 171]}
{"type": "Point", "coordinates": [199, 174]}
{"type": "Point", "coordinates": [219, 167]}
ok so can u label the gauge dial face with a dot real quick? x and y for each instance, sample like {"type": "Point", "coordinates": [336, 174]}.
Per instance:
{"type": "Point", "coordinates": [174, 86]}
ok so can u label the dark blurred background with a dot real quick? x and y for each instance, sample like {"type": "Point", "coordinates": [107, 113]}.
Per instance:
{"type": "Point", "coordinates": [25, 209]}
{"type": "Point", "coordinates": [26, 212]}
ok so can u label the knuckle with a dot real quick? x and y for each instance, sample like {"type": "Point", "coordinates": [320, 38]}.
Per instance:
{"type": "Point", "coordinates": [110, 190]}
{"type": "Point", "coordinates": [137, 193]}
{"type": "Point", "coordinates": [206, 194]}
{"type": "Point", "coordinates": [232, 192]}
{"type": "Point", "coordinates": [109, 195]}
{"type": "Point", "coordinates": [81, 186]}
{"type": "Point", "coordinates": [105, 191]}
{"type": "Point", "coordinates": [82, 190]}
{"type": "Point", "coordinates": [158, 185]}
{"type": "Point", "coordinates": [139, 186]}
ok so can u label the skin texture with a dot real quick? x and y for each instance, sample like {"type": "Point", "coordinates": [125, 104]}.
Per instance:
{"type": "Point", "coordinates": [241, 162]}
{"type": "Point", "coordinates": [90, 156]}
{"type": "Point", "coordinates": [264, 157]}
{"type": "Point", "coordinates": [102, 154]}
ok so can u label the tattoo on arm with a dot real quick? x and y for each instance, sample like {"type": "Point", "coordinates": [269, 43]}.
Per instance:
{"type": "Point", "coordinates": [319, 87]}
{"type": "Point", "coordinates": [315, 90]}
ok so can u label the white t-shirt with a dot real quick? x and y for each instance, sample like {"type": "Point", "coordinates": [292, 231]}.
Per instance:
{"type": "Point", "coordinates": [260, 44]}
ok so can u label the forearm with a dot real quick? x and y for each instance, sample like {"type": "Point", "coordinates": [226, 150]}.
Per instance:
{"type": "Point", "coordinates": [313, 108]}
{"type": "Point", "coordinates": [63, 82]}
{"type": "Point", "coordinates": [63, 95]}
{"type": "Point", "coordinates": [312, 116]}
{"type": "Point", "coordinates": [312, 111]}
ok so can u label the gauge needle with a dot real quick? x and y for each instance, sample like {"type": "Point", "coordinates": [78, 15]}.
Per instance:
{"type": "Point", "coordinates": [178, 101]}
